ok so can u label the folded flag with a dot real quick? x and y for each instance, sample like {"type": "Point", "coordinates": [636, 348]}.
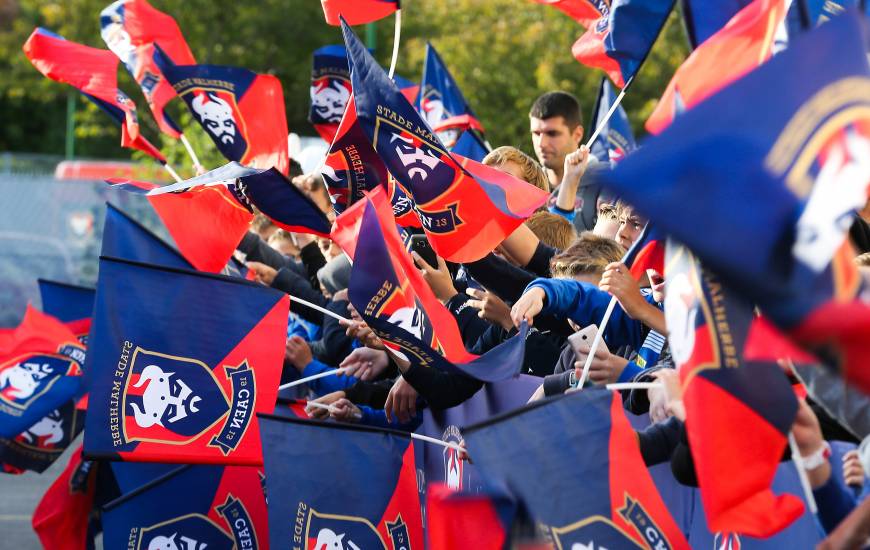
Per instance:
{"type": "Point", "coordinates": [387, 289]}
{"type": "Point", "coordinates": [441, 102]}
{"type": "Point", "coordinates": [466, 208]}
{"type": "Point", "coordinates": [37, 447]}
{"type": "Point", "coordinates": [181, 361]}
{"type": "Point", "coordinates": [775, 222]}
{"type": "Point", "coordinates": [194, 507]}
{"type": "Point", "coordinates": [470, 146]}
{"type": "Point", "coordinates": [124, 237]}
{"type": "Point", "coordinates": [739, 47]}
{"type": "Point", "coordinates": [330, 90]}
{"type": "Point", "coordinates": [620, 506]}
{"type": "Point", "coordinates": [241, 111]}
{"type": "Point", "coordinates": [585, 12]}
{"type": "Point", "coordinates": [130, 28]}
{"type": "Point", "coordinates": [352, 166]}
{"type": "Point", "coordinates": [40, 371]}
{"type": "Point", "coordinates": [734, 407]}
{"type": "Point", "coordinates": [206, 223]}
{"type": "Point", "coordinates": [619, 42]}
{"type": "Point", "coordinates": [616, 139]}
{"type": "Point", "coordinates": [71, 304]}
{"type": "Point", "coordinates": [357, 12]}
{"type": "Point", "coordinates": [704, 18]}
{"type": "Point", "coordinates": [647, 252]}
{"type": "Point", "coordinates": [377, 506]}
{"type": "Point", "coordinates": [94, 73]}
{"type": "Point", "coordinates": [61, 517]}
{"type": "Point", "coordinates": [457, 519]}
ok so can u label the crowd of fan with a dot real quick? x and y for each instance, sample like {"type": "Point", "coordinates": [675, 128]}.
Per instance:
{"type": "Point", "coordinates": [558, 271]}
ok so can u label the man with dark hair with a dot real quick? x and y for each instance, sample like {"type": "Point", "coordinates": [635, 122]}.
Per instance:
{"type": "Point", "coordinates": [557, 129]}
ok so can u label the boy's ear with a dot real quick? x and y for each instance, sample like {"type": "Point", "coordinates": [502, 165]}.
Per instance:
{"type": "Point", "coordinates": [577, 134]}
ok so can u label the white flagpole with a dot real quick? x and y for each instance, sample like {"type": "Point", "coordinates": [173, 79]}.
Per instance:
{"type": "Point", "coordinates": [609, 114]}
{"type": "Point", "coordinates": [802, 474]}
{"type": "Point", "coordinates": [311, 378]}
{"type": "Point", "coordinates": [596, 342]}
{"type": "Point", "coordinates": [318, 308]}
{"type": "Point", "coordinates": [635, 386]}
{"type": "Point", "coordinates": [434, 441]}
{"type": "Point", "coordinates": [172, 172]}
{"type": "Point", "coordinates": [196, 165]}
{"type": "Point", "coordinates": [396, 39]}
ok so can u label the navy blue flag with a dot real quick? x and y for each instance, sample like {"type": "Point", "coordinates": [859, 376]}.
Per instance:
{"type": "Point", "coordinates": [616, 139]}
{"type": "Point", "coordinates": [181, 361]}
{"type": "Point", "coordinates": [781, 183]}
{"type": "Point", "coordinates": [704, 18]}
{"type": "Point", "coordinates": [598, 458]}
{"type": "Point", "coordinates": [71, 304]}
{"type": "Point", "coordinates": [441, 102]}
{"type": "Point", "coordinates": [133, 475]}
{"type": "Point", "coordinates": [124, 237]}
{"type": "Point", "coordinates": [388, 291]}
{"type": "Point", "coordinates": [340, 486]}
{"type": "Point", "coordinates": [194, 507]}
{"type": "Point", "coordinates": [330, 89]}
{"type": "Point", "coordinates": [41, 444]}
{"type": "Point", "coordinates": [469, 145]}
{"type": "Point", "coordinates": [808, 14]}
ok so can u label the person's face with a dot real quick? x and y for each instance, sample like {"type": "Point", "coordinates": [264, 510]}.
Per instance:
{"type": "Point", "coordinates": [630, 227]}
{"type": "Point", "coordinates": [553, 140]}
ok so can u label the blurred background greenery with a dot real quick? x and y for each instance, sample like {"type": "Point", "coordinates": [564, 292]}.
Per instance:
{"type": "Point", "coordinates": [503, 53]}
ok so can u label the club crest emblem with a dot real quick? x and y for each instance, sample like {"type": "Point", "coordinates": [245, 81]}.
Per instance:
{"type": "Point", "coordinates": [329, 97]}
{"type": "Point", "coordinates": [335, 532]}
{"type": "Point", "coordinates": [25, 378]}
{"type": "Point", "coordinates": [598, 532]}
{"type": "Point", "coordinates": [49, 434]}
{"type": "Point", "coordinates": [428, 171]}
{"type": "Point", "coordinates": [175, 400]}
{"type": "Point", "coordinates": [190, 532]}
{"type": "Point", "coordinates": [453, 464]}
{"type": "Point", "coordinates": [217, 111]}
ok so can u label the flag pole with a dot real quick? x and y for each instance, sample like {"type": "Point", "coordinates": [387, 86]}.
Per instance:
{"type": "Point", "coordinates": [172, 172]}
{"type": "Point", "coordinates": [397, 36]}
{"type": "Point", "coordinates": [802, 474]}
{"type": "Point", "coordinates": [609, 114]}
{"type": "Point", "coordinates": [635, 386]}
{"type": "Point", "coordinates": [316, 307]}
{"type": "Point", "coordinates": [434, 441]}
{"type": "Point", "coordinates": [311, 378]}
{"type": "Point", "coordinates": [196, 165]}
{"type": "Point", "coordinates": [596, 342]}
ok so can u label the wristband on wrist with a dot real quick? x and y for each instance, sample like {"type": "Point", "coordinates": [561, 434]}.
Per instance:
{"type": "Point", "coordinates": [818, 458]}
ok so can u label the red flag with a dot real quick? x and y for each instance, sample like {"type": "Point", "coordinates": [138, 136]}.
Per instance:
{"type": "Point", "coordinates": [37, 333]}
{"type": "Point", "coordinates": [130, 29]}
{"type": "Point", "coordinates": [61, 517]}
{"type": "Point", "coordinates": [456, 520]}
{"type": "Point", "coordinates": [582, 11]}
{"type": "Point", "coordinates": [742, 45]}
{"type": "Point", "coordinates": [93, 72]}
{"type": "Point", "coordinates": [357, 12]}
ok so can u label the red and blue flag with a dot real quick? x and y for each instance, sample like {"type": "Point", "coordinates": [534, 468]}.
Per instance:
{"type": "Point", "coordinates": [40, 371]}
{"type": "Point", "coordinates": [739, 47]}
{"type": "Point", "coordinates": [597, 458]}
{"type": "Point", "coordinates": [616, 139]}
{"type": "Point", "coordinates": [339, 486]}
{"type": "Point", "coordinates": [71, 304]}
{"type": "Point", "coordinates": [704, 18]}
{"type": "Point", "coordinates": [330, 90]}
{"type": "Point", "coordinates": [194, 507]}
{"type": "Point", "coordinates": [37, 447]}
{"type": "Point", "coordinates": [466, 208]}
{"type": "Point", "coordinates": [441, 102]}
{"type": "Point", "coordinates": [738, 412]}
{"type": "Point", "coordinates": [470, 146]}
{"type": "Point", "coordinates": [357, 12]}
{"type": "Point", "coordinates": [781, 183]}
{"type": "Point", "coordinates": [460, 519]}
{"type": "Point", "coordinates": [124, 237]}
{"type": "Point", "coordinates": [585, 12]}
{"type": "Point", "coordinates": [61, 518]}
{"type": "Point", "coordinates": [181, 362]}
{"type": "Point", "coordinates": [131, 28]}
{"type": "Point", "coordinates": [647, 252]}
{"type": "Point", "coordinates": [94, 73]}
{"type": "Point", "coordinates": [241, 111]}
{"type": "Point", "coordinates": [619, 42]}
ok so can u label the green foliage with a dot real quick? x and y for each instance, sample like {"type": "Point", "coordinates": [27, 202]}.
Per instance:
{"type": "Point", "coordinates": [503, 53]}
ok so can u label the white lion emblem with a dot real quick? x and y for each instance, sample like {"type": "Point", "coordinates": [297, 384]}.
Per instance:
{"type": "Point", "coordinates": [217, 116]}
{"type": "Point", "coordinates": [329, 99]}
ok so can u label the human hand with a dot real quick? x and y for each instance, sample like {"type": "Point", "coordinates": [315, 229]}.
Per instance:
{"type": "Point", "coordinates": [344, 410]}
{"type": "Point", "coordinates": [328, 399]}
{"type": "Point", "coordinates": [263, 273]}
{"type": "Point", "coordinates": [530, 304]}
{"type": "Point", "coordinates": [673, 392]}
{"type": "Point", "coordinates": [439, 279]}
{"type": "Point", "coordinates": [617, 280]}
{"type": "Point", "coordinates": [297, 352]}
{"type": "Point", "coordinates": [361, 331]}
{"type": "Point", "coordinates": [401, 402]}
{"type": "Point", "coordinates": [605, 367]}
{"type": "Point", "coordinates": [853, 472]}
{"type": "Point", "coordinates": [365, 363]}
{"type": "Point", "coordinates": [575, 166]}
{"type": "Point", "coordinates": [490, 307]}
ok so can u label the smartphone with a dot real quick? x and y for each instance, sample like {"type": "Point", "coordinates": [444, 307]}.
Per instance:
{"type": "Point", "coordinates": [421, 246]}
{"type": "Point", "coordinates": [581, 340]}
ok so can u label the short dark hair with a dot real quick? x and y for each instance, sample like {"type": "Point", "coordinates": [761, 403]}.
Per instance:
{"type": "Point", "coordinates": [558, 103]}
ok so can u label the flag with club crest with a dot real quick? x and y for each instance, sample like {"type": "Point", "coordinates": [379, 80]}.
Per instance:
{"type": "Point", "coordinates": [775, 220]}
{"type": "Point", "coordinates": [330, 90]}
{"type": "Point", "coordinates": [37, 447]}
{"type": "Point", "coordinates": [620, 40]}
{"type": "Point", "coordinates": [40, 372]}
{"type": "Point", "coordinates": [357, 12]}
{"type": "Point", "coordinates": [616, 139]}
{"type": "Point", "coordinates": [93, 72]}
{"type": "Point", "coordinates": [61, 518]}
{"type": "Point", "coordinates": [340, 486]}
{"type": "Point", "coordinates": [181, 361]}
{"type": "Point", "coordinates": [465, 208]}
{"type": "Point", "coordinates": [130, 28]}
{"type": "Point", "coordinates": [598, 458]}
{"type": "Point", "coordinates": [241, 111]}
{"type": "Point", "coordinates": [739, 47]}
{"type": "Point", "coordinates": [194, 507]}
{"type": "Point", "coordinates": [441, 102]}
{"type": "Point", "coordinates": [738, 412]}
{"type": "Point", "coordinates": [71, 304]}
